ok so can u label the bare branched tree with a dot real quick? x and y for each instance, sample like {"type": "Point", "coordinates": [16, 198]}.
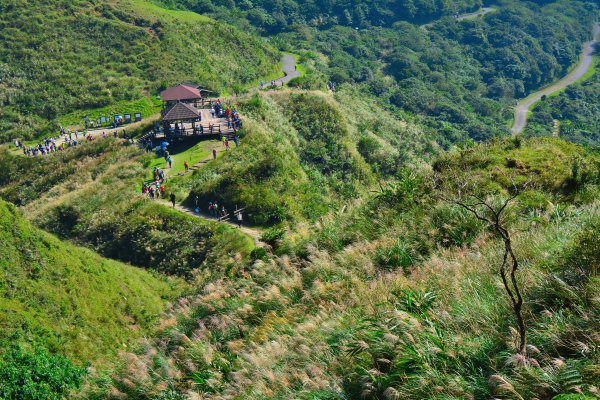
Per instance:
{"type": "Point", "coordinates": [510, 264]}
{"type": "Point", "coordinates": [492, 214]}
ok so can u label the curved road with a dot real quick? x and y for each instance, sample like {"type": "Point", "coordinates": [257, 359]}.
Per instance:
{"type": "Point", "coordinates": [585, 63]}
{"type": "Point", "coordinates": [480, 13]}
{"type": "Point", "coordinates": [289, 71]}
{"type": "Point", "coordinates": [463, 17]}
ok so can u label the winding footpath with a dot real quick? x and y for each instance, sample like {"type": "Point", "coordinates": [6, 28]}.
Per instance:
{"type": "Point", "coordinates": [253, 233]}
{"type": "Point", "coordinates": [587, 60]}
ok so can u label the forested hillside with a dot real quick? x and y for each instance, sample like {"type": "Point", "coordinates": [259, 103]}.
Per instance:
{"type": "Point", "coordinates": [272, 17]}
{"type": "Point", "coordinates": [61, 56]}
{"type": "Point", "coordinates": [459, 78]}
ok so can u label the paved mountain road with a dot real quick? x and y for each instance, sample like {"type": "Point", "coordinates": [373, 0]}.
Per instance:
{"type": "Point", "coordinates": [463, 17]}
{"type": "Point", "coordinates": [289, 71]}
{"type": "Point", "coordinates": [480, 13]}
{"type": "Point", "coordinates": [584, 65]}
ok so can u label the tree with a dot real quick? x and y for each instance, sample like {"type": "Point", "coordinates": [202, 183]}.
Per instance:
{"type": "Point", "coordinates": [492, 212]}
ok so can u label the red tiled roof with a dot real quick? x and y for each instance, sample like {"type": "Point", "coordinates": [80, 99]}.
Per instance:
{"type": "Point", "coordinates": [181, 111]}
{"type": "Point", "coordinates": [181, 92]}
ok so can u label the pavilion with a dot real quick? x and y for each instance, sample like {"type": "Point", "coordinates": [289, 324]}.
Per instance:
{"type": "Point", "coordinates": [179, 114]}
{"type": "Point", "coordinates": [181, 94]}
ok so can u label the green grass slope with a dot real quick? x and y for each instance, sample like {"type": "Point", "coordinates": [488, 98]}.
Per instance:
{"type": "Point", "coordinates": [304, 153]}
{"type": "Point", "coordinates": [59, 57]}
{"type": "Point", "coordinates": [399, 297]}
{"type": "Point", "coordinates": [68, 299]}
{"type": "Point", "coordinates": [92, 194]}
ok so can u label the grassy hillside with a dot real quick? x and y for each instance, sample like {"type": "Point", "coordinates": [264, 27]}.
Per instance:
{"type": "Point", "coordinates": [303, 154]}
{"type": "Point", "coordinates": [92, 195]}
{"type": "Point", "coordinates": [69, 300]}
{"type": "Point", "coordinates": [398, 295]}
{"type": "Point", "coordinates": [59, 57]}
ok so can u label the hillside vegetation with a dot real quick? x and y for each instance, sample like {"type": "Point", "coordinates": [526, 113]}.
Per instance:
{"type": "Point", "coordinates": [398, 296]}
{"type": "Point", "coordinates": [69, 300]}
{"type": "Point", "coordinates": [272, 17]}
{"type": "Point", "coordinates": [398, 244]}
{"type": "Point", "coordinates": [457, 78]}
{"type": "Point", "coordinates": [92, 195]}
{"type": "Point", "coordinates": [58, 57]}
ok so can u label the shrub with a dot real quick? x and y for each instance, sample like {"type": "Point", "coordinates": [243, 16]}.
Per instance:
{"type": "Point", "coordinates": [37, 375]}
{"type": "Point", "coordinates": [259, 253]}
{"type": "Point", "coordinates": [273, 235]}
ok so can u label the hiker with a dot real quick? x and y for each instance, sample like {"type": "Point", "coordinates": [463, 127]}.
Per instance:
{"type": "Point", "coordinates": [223, 139]}
{"type": "Point", "coordinates": [151, 192]}
{"type": "Point", "coordinates": [214, 152]}
{"type": "Point", "coordinates": [162, 191]}
{"type": "Point", "coordinates": [173, 199]}
{"type": "Point", "coordinates": [186, 166]}
{"type": "Point", "coordinates": [223, 212]}
{"type": "Point", "coordinates": [227, 145]}
{"type": "Point", "coordinates": [236, 140]}
{"type": "Point", "coordinates": [170, 161]}
{"type": "Point", "coordinates": [239, 218]}
{"type": "Point", "coordinates": [216, 209]}
{"type": "Point", "coordinates": [211, 208]}
{"type": "Point", "coordinates": [212, 112]}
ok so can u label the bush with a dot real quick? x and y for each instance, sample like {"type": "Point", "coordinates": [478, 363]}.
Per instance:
{"type": "Point", "coordinates": [454, 226]}
{"type": "Point", "coordinates": [582, 261]}
{"type": "Point", "coordinates": [259, 253]}
{"type": "Point", "coordinates": [273, 235]}
{"type": "Point", "coordinates": [37, 375]}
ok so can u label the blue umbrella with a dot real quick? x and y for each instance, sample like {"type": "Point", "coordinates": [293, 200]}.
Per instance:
{"type": "Point", "coordinates": [164, 144]}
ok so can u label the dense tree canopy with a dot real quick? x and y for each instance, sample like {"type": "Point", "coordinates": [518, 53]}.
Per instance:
{"type": "Point", "coordinates": [275, 16]}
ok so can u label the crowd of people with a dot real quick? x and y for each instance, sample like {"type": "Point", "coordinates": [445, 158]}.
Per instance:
{"type": "Point", "coordinates": [66, 139]}
{"type": "Point", "coordinates": [231, 114]}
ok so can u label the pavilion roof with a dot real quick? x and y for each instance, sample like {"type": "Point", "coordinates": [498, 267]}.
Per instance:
{"type": "Point", "coordinates": [181, 92]}
{"type": "Point", "coordinates": [180, 112]}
